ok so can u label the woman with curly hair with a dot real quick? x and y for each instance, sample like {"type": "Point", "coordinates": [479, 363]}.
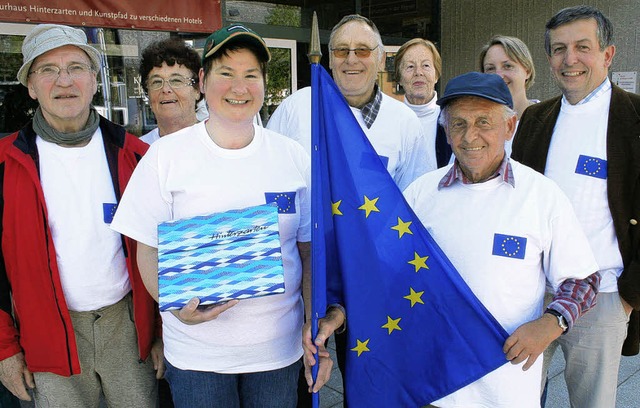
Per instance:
{"type": "Point", "coordinates": [169, 71]}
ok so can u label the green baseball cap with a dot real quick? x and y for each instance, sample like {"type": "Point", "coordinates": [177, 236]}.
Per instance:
{"type": "Point", "coordinates": [238, 34]}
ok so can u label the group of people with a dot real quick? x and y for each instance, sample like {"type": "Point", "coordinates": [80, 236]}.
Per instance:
{"type": "Point", "coordinates": [575, 226]}
{"type": "Point", "coordinates": [81, 199]}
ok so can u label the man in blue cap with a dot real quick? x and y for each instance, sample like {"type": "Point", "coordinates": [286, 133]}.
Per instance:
{"type": "Point", "coordinates": [508, 230]}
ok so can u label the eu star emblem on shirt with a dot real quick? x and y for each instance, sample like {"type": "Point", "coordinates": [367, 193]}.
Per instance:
{"type": "Point", "coordinates": [509, 246]}
{"type": "Point", "coordinates": [592, 167]}
{"type": "Point", "coordinates": [286, 201]}
{"type": "Point", "coordinates": [108, 211]}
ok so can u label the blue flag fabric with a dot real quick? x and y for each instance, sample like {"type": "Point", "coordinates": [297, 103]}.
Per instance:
{"type": "Point", "coordinates": [416, 332]}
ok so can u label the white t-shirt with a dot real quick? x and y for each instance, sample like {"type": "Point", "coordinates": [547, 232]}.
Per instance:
{"type": "Point", "coordinates": [396, 134]}
{"type": "Point", "coordinates": [186, 174]}
{"type": "Point", "coordinates": [579, 147]}
{"type": "Point", "coordinates": [464, 220]}
{"type": "Point", "coordinates": [154, 135]}
{"type": "Point", "coordinates": [80, 201]}
{"type": "Point", "coordinates": [151, 137]}
{"type": "Point", "coordinates": [202, 111]}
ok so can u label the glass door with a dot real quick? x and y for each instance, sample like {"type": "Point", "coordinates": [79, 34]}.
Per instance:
{"type": "Point", "coordinates": [282, 77]}
{"type": "Point", "coordinates": [16, 106]}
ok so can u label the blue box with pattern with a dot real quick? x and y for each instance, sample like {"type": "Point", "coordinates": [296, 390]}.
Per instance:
{"type": "Point", "coordinates": [219, 257]}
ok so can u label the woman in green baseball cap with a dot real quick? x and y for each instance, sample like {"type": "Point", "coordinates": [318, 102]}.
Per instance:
{"type": "Point", "coordinates": [241, 353]}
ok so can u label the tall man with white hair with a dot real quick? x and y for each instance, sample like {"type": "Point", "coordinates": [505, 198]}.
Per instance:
{"type": "Point", "coordinates": [586, 140]}
{"type": "Point", "coordinates": [75, 319]}
{"type": "Point", "coordinates": [357, 55]}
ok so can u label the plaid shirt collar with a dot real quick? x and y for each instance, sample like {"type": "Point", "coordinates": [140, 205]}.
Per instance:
{"type": "Point", "coordinates": [604, 87]}
{"type": "Point", "coordinates": [455, 173]}
{"type": "Point", "coordinates": [370, 109]}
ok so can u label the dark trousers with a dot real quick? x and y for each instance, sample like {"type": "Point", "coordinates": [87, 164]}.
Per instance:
{"type": "Point", "coordinates": [7, 399]}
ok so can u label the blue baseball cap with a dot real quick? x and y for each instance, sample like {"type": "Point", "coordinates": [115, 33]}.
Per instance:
{"type": "Point", "coordinates": [487, 86]}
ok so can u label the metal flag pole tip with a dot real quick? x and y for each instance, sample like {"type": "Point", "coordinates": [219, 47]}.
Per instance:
{"type": "Point", "coordinates": [314, 48]}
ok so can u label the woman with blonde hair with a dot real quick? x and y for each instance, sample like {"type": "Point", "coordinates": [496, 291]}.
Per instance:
{"type": "Point", "coordinates": [510, 58]}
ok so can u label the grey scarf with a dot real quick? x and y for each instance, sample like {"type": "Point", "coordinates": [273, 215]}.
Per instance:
{"type": "Point", "coordinates": [49, 134]}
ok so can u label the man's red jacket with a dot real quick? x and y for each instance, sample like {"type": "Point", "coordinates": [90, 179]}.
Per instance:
{"type": "Point", "coordinates": [30, 288]}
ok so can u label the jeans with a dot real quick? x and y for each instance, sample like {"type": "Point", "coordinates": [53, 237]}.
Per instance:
{"type": "Point", "coordinates": [204, 389]}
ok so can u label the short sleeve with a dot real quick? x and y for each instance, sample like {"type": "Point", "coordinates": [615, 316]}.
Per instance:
{"type": "Point", "coordinates": [143, 205]}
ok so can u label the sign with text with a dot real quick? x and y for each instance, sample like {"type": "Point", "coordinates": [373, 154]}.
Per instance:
{"type": "Point", "coordinates": [193, 16]}
{"type": "Point", "coordinates": [625, 80]}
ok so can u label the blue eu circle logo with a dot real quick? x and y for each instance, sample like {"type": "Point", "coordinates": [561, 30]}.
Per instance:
{"type": "Point", "coordinates": [510, 246]}
{"type": "Point", "coordinates": [284, 202]}
{"type": "Point", "coordinates": [592, 166]}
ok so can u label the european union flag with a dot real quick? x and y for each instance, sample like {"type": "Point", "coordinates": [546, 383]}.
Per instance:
{"type": "Point", "coordinates": [415, 332]}
{"type": "Point", "coordinates": [509, 246]}
{"type": "Point", "coordinates": [372, 161]}
{"type": "Point", "coordinates": [592, 166]}
{"type": "Point", "coordinates": [286, 201]}
{"type": "Point", "coordinates": [108, 211]}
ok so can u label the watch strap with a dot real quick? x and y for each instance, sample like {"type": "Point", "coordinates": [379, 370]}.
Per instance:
{"type": "Point", "coordinates": [562, 322]}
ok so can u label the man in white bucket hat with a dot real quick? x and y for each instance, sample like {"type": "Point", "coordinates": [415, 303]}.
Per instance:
{"type": "Point", "coordinates": [75, 319]}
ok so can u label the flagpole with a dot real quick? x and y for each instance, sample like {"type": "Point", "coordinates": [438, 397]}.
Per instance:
{"type": "Point", "coordinates": [314, 55]}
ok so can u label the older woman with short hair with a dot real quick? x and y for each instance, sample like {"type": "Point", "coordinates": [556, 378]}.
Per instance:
{"type": "Point", "coordinates": [169, 74]}
{"type": "Point", "coordinates": [417, 69]}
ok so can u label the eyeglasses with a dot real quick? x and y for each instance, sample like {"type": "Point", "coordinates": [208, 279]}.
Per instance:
{"type": "Point", "coordinates": [175, 82]}
{"type": "Point", "coordinates": [362, 52]}
{"type": "Point", "coordinates": [76, 70]}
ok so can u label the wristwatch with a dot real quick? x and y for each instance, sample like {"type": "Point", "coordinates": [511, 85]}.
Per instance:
{"type": "Point", "coordinates": [562, 322]}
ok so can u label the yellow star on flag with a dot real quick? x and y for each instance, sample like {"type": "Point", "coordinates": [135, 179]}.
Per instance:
{"type": "Point", "coordinates": [335, 208]}
{"type": "Point", "coordinates": [369, 206]}
{"type": "Point", "coordinates": [361, 347]}
{"type": "Point", "coordinates": [419, 261]}
{"type": "Point", "coordinates": [415, 297]}
{"type": "Point", "coordinates": [402, 228]}
{"type": "Point", "coordinates": [392, 324]}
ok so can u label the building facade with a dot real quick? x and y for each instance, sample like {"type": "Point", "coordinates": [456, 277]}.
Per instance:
{"type": "Point", "coordinates": [285, 24]}
{"type": "Point", "coordinates": [467, 25]}
{"type": "Point", "coordinates": [458, 27]}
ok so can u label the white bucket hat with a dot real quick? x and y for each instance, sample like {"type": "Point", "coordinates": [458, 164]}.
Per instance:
{"type": "Point", "coordinates": [46, 37]}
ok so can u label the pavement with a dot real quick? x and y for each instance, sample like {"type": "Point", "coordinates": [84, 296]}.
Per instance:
{"type": "Point", "coordinates": [331, 395]}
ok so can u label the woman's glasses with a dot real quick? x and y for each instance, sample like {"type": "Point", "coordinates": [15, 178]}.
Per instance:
{"type": "Point", "coordinates": [175, 82]}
